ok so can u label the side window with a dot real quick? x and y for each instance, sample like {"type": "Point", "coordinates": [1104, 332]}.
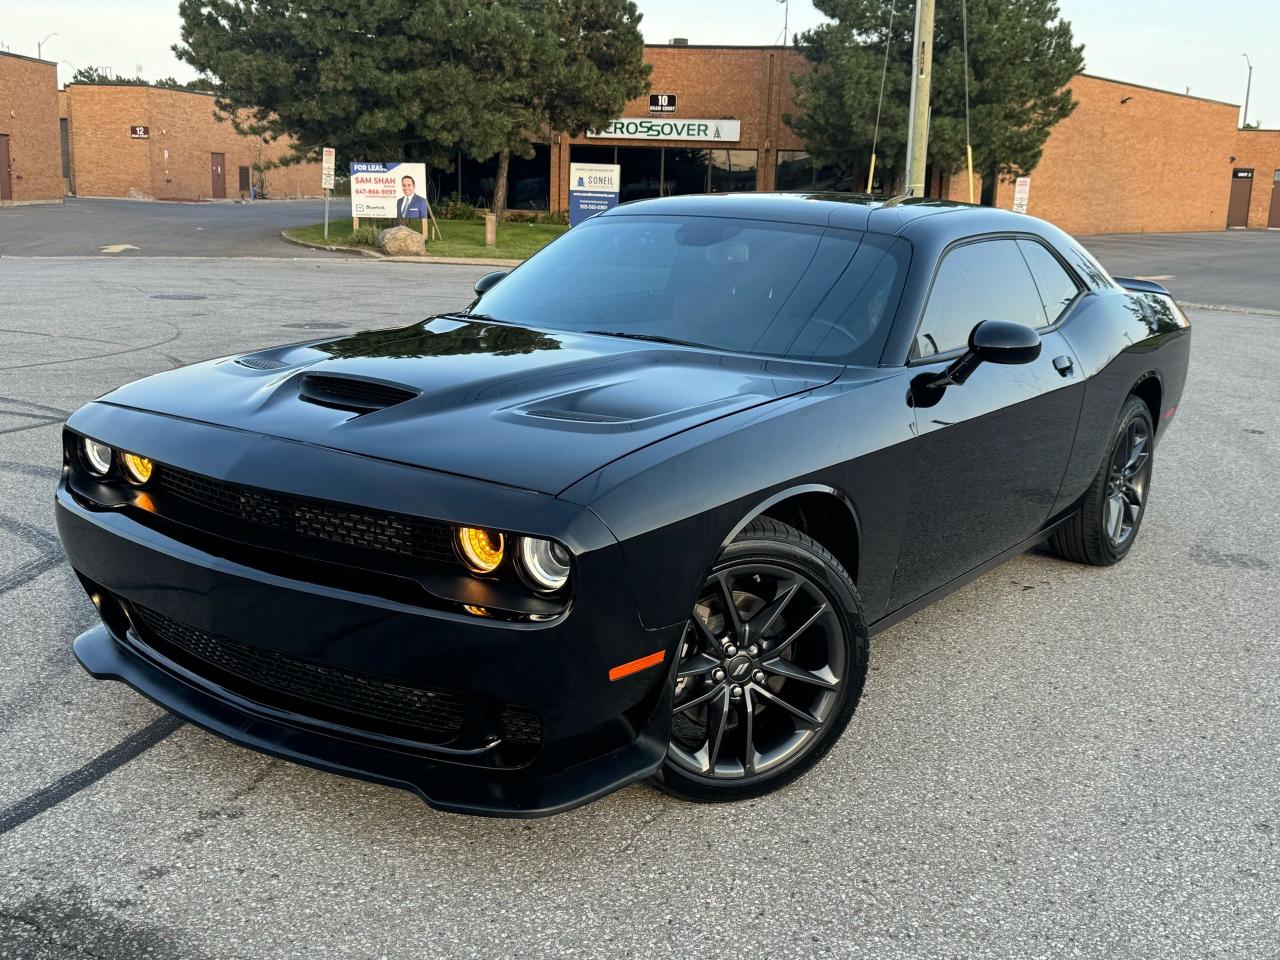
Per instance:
{"type": "Point", "coordinates": [1057, 287]}
{"type": "Point", "coordinates": [987, 280]}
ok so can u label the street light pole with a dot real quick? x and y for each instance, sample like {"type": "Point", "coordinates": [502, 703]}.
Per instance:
{"type": "Point", "coordinates": [1248, 85]}
{"type": "Point", "coordinates": [40, 46]}
{"type": "Point", "coordinates": [918, 121]}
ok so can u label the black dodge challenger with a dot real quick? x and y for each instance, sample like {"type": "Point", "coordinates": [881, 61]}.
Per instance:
{"type": "Point", "coordinates": [632, 513]}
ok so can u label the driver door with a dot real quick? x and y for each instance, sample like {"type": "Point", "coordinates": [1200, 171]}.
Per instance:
{"type": "Point", "coordinates": [991, 452]}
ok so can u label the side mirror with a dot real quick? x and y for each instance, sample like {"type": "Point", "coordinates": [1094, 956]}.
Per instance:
{"type": "Point", "coordinates": [488, 281]}
{"type": "Point", "coordinates": [992, 341]}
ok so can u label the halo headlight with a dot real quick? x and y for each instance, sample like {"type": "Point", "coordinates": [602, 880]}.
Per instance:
{"type": "Point", "coordinates": [544, 564]}
{"type": "Point", "coordinates": [97, 457]}
{"type": "Point", "coordinates": [136, 468]}
{"type": "Point", "coordinates": [481, 550]}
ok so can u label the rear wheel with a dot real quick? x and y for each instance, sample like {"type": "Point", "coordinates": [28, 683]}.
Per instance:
{"type": "Point", "coordinates": [1107, 524]}
{"type": "Point", "coordinates": [771, 666]}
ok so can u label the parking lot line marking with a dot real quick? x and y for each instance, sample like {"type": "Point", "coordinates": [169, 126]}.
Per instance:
{"type": "Point", "coordinates": [16, 814]}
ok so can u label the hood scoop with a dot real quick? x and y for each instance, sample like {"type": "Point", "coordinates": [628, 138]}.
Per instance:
{"type": "Point", "coordinates": [352, 393]}
{"type": "Point", "coordinates": [261, 363]}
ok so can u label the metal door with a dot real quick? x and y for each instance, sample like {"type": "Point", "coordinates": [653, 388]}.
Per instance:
{"type": "Point", "coordinates": [219, 164]}
{"type": "Point", "coordinates": [6, 185]}
{"type": "Point", "coordinates": [1273, 221]}
{"type": "Point", "coordinates": [1238, 206]}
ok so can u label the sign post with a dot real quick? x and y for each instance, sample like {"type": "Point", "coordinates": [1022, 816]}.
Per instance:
{"type": "Point", "coordinates": [593, 188]}
{"type": "Point", "coordinates": [328, 157]}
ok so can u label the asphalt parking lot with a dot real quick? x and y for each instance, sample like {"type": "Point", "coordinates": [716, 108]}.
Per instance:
{"type": "Point", "coordinates": [141, 228]}
{"type": "Point", "coordinates": [1054, 762]}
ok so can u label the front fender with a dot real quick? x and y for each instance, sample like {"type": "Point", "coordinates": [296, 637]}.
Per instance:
{"type": "Point", "coordinates": [674, 505]}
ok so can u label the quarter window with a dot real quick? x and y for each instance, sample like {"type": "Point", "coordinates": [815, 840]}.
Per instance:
{"type": "Point", "coordinates": [1057, 288]}
{"type": "Point", "coordinates": [988, 280]}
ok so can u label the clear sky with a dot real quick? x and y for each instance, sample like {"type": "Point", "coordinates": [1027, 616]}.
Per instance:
{"type": "Point", "coordinates": [1172, 44]}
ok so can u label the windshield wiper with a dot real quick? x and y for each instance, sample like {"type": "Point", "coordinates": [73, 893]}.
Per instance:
{"type": "Point", "coordinates": [651, 337]}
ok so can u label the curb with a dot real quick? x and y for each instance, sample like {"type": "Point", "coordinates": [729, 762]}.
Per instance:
{"type": "Point", "coordinates": [456, 261]}
{"type": "Point", "coordinates": [1227, 308]}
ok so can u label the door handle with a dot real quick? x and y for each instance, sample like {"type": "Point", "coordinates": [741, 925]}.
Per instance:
{"type": "Point", "coordinates": [1063, 365]}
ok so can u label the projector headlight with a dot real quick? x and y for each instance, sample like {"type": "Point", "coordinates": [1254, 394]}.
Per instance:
{"type": "Point", "coordinates": [97, 457]}
{"type": "Point", "coordinates": [544, 564]}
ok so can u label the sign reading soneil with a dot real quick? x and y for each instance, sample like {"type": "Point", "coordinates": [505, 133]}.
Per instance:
{"type": "Point", "coordinates": [389, 190]}
{"type": "Point", "coordinates": [647, 128]}
{"type": "Point", "coordinates": [593, 188]}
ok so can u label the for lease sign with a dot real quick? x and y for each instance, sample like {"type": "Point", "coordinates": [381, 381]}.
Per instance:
{"type": "Point", "coordinates": [656, 128]}
{"type": "Point", "coordinates": [389, 190]}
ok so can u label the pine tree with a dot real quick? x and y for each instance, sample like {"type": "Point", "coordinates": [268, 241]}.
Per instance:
{"type": "Point", "coordinates": [1021, 57]}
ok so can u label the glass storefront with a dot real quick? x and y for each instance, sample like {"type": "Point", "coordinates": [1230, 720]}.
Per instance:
{"type": "Point", "coordinates": [528, 187]}
{"type": "Point", "coordinates": [670, 171]}
{"type": "Point", "coordinates": [798, 170]}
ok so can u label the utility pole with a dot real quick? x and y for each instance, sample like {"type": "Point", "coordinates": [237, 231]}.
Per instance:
{"type": "Point", "coordinates": [1248, 85]}
{"type": "Point", "coordinates": [918, 122]}
{"type": "Point", "coordinates": [40, 46]}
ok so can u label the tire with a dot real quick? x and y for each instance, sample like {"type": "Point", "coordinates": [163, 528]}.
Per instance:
{"type": "Point", "coordinates": [1121, 483]}
{"type": "Point", "coordinates": [798, 613]}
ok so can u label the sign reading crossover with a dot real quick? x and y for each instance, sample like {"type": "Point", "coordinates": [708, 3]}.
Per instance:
{"type": "Point", "coordinates": [593, 188]}
{"type": "Point", "coordinates": [651, 128]}
{"type": "Point", "coordinates": [389, 190]}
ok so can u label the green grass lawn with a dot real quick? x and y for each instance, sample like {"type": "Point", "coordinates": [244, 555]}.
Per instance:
{"type": "Point", "coordinates": [462, 238]}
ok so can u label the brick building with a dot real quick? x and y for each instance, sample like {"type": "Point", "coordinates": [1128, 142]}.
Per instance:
{"type": "Point", "coordinates": [30, 158]}
{"type": "Point", "coordinates": [1129, 159]}
{"type": "Point", "coordinates": [128, 140]}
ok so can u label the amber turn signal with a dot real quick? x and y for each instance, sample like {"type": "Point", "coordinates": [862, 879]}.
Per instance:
{"type": "Point", "coordinates": [482, 550]}
{"type": "Point", "coordinates": [136, 468]}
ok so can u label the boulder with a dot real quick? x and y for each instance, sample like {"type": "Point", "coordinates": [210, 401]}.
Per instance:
{"type": "Point", "coordinates": [400, 242]}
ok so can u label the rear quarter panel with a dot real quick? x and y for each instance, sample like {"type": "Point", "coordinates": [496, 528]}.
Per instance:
{"type": "Point", "coordinates": [1120, 340]}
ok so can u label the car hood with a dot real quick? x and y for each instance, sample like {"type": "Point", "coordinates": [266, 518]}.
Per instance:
{"type": "Point", "coordinates": [521, 407]}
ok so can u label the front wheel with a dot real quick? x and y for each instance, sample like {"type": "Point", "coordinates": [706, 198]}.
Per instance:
{"type": "Point", "coordinates": [771, 666]}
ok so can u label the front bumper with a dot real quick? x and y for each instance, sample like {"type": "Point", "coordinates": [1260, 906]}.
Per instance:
{"type": "Point", "coordinates": [593, 735]}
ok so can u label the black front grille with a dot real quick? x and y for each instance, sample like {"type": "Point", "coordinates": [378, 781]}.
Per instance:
{"type": "Point", "coordinates": [350, 393]}
{"type": "Point", "coordinates": [318, 519]}
{"type": "Point", "coordinates": [353, 697]}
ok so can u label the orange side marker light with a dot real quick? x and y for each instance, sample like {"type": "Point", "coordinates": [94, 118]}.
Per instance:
{"type": "Point", "coordinates": [635, 666]}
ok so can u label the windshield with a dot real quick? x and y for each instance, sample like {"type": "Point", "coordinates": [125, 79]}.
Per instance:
{"type": "Point", "coordinates": [747, 286]}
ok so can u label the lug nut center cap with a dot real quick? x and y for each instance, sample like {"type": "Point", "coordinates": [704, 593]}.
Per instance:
{"type": "Point", "coordinates": [739, 668]}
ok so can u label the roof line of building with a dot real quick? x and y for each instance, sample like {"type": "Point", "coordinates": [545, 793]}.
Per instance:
{"type": "Point", "coordinates": [23, 56]}
{"type": "Point", "coordinates": [1171, 93]}
{"type": "Point", "coordinates": [138, 86]}
{"type": "Point", "coordinates": [718, 46]}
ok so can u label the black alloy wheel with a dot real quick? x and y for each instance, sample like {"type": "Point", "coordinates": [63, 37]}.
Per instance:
{"type": "Point", "coordinates": [770, 667]}
{"type": "Point", "coordinates": [1107, 523]}
{"type": "Point", "coordinates": [1127, 482]}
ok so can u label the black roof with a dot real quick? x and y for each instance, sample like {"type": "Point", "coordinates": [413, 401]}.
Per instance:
{"type": "Point", "coordinates": [854, 211]}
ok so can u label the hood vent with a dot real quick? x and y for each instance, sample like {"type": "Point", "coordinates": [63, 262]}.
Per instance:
{"type": "Point", "coordinates": [578, 416]}
{"type": "Point", "coordinates": [260, 363]}
{"type": "Point", "coordinates": [351, 393]}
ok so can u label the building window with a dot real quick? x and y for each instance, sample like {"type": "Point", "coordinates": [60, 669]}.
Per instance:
{"type": "Point", "coordinates": [66, 148]}
{"type": "Point", "coordinates": [641, 173]}
{"type": "Point", "coordinates": [732, 171]}
{"type": "Point", "coordinates": [529, 181]}
{"type": "Point", "coordinates": [798, 170]}
{"type": "Point", "coordinates": [685, 171]}
{"type": "Point", "coordinates": [244, 179]}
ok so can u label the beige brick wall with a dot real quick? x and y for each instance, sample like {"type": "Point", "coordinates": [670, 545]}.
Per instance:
{"type": "Point", "coordinates": [175, 162]}
{"type": "Point", "coordinates": [1131, 159]}
{"type": "Point", "coordinates": [29, 117]}
{"type": "Point", "coordinates": [1259, 150]}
